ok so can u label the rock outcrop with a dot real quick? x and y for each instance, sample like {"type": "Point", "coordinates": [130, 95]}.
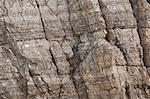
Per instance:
{"type": "Point", "coordinates": [74, 49]}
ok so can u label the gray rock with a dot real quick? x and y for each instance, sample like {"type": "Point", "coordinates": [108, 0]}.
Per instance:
{"type": "Point", "coordinates": [74, 49]}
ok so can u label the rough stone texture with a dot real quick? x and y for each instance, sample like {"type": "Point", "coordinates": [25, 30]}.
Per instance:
{"type": "Point", "coordinates": [74, 49]}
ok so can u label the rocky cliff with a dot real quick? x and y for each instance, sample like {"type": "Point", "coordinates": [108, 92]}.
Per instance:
{"type": "Point", "coordinates": [74, 49]}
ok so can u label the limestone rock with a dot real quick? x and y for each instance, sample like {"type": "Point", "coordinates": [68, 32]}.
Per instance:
{"type": "Point", "coordinates": [74, 49]}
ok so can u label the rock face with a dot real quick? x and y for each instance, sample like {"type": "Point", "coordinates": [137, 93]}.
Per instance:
{"type": "Point", "coordinates": [74, 49]}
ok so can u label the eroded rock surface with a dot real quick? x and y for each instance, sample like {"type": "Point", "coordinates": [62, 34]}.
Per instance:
{"type": "Point", "coordinates": [74, 49]}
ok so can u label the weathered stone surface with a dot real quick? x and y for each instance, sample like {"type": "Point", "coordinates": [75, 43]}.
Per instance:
{"type": "Point", "coordinates": [74, 49]}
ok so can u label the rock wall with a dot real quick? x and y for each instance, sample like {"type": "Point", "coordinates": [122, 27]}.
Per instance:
{"type": "Point", "coordinates": [74, 49]}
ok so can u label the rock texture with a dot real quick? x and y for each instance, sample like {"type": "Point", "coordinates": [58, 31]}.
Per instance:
{"type": "Point", "coordinates": [74, 49]}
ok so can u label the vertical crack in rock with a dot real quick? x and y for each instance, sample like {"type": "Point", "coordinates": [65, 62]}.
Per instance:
{"type": "Point", "coordinates": [42, 21]}
{"type": "Point", "coordinates": [127, 92]}
{"type": "Point", "coordinates": [33, 75]}
{"type": "Point", "coordinates": [140, 16]}
{"type": "Point", "coordinates": [53, 60]}
{"type": "Point", "coordinates": [109, 29]}
{"type": "Point", "coordinates": [57, 69]}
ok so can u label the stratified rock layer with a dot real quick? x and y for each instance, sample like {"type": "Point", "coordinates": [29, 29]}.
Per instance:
{"type": "Point", "coordinates": [74, 49]}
